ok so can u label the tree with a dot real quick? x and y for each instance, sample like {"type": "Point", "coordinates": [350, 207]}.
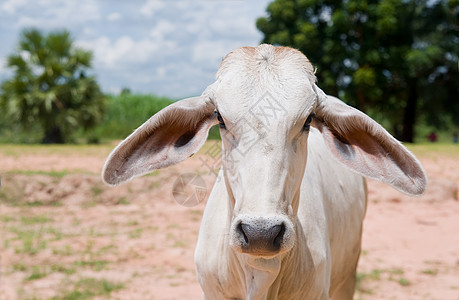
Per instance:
{"type": "Point", "coordinates": [50, 86]}
{"type": "Point", "coordinates": [395, 58]}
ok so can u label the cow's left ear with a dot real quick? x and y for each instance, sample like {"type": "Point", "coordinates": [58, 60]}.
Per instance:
{"type": "Point", "coordinates": [169, 137]}
{"type": "Point", "coordinates": [366, 147]}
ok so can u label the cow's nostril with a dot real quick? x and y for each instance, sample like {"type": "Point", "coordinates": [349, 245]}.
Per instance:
{"type": "Point", "coordinates": [241, 231]}
{"type": "Point", "coordinates": [279, 237]}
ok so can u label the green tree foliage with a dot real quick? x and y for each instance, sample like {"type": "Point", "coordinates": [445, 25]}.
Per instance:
{"type": "Point", "coordinates": [50, 87]}
{"type": "Point", "coordinates": [393, 58]}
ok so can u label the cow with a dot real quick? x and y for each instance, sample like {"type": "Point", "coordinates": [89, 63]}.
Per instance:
{"type": "Point", "coordinates": [284, 218]}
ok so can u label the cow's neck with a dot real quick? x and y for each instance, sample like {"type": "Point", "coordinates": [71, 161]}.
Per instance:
{"type": "Point", "coordinates": [259, 274]}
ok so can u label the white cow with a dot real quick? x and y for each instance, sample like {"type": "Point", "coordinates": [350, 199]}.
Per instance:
{"type": "Point", "coordinates": [285, 220]}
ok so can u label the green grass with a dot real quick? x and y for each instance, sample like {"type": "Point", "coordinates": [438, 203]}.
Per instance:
{"type": "Point", "coordinates": [96, 265]}
{"type": "Point", "coordinates": [7, 219]}
{"type": "Point", "coordinates": [127, 112]}
{"type": "Point", "coordinates": [31, 220]}
{"type": "Point", "coordinates": [17, 150]}
{"type": "Point", "coordinates": [67, 270]}
{"type": "Point", "coordinates": [37, 273]}
{"type": "Point", "coordinates": [404, 281]}
{"type": "Point", "coordinates": [57, 174]}
{"type": "Point", "coordinates": [432, 272]}
{"type": "Point", "coordinates": [393, 274]}
{"type": "Point", "coordinates": [87, 288]}
{"type": "Point", "coordinates": [448, 149]}
{"type": "Point", "coordinates": [30, 240]}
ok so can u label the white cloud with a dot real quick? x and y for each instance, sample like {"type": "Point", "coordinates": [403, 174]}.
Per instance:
{"type": "Point", "coordinates": [168, 47]}
{"type": "Point", "coordinates": [210, 52]}
{"type": "Point", "coordinates": [10, 6]}
{"type": "Point", "coordinates": [151, 7]}
{"type": "Point", "coordinates": [115, 16]}
{"type": "Point", "coordinates": [123, 51]}
{"type": "Point", "coordinates": [59, 13]}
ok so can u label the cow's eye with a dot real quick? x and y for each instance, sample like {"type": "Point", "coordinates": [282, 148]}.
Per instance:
{"type": "Point", "coordinates": [221, 123]}
{"type": "Point", "coordinates": [307, 124]}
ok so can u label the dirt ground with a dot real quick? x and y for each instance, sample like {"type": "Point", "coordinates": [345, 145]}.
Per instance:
{"type": "Point", "coordinates": [64, 235]}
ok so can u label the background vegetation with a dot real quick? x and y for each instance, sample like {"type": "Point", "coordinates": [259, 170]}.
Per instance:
{"type": "Point", "coordinates": [395, 59]}
{"type": "Point", "coordinates": [50, 92]}
{"type": "Point", "coordinates": [124, 113]}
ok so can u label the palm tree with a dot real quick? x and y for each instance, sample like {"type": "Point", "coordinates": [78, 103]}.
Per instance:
{"type": "Point", "coordinates": [50, 87]}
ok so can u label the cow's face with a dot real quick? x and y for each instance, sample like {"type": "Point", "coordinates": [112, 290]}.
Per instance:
{"type": "Point", "coordinates": [264, 120]}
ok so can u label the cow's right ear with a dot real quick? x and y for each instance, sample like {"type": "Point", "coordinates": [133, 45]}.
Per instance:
{"type": "Point", "coordinates": [169, 137]}
{"type": "Point", "coordinates": [365, 147]}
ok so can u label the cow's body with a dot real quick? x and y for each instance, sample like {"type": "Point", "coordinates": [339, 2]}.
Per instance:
{"type": "Point", "coordinates": [329, 225]}
{"type": "Point", "coordinates": [284, 220]}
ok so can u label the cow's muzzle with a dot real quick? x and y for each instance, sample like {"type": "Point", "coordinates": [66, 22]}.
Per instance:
{"type": "Point", "coordinates": [261, 236]}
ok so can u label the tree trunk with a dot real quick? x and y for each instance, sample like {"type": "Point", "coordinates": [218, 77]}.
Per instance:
{"type": "Point", "coordinates": [409, 115]}
{"type": "Point", "coordinates": [53, 136]}
{"type": "Point", "coordinates": [361, 101]}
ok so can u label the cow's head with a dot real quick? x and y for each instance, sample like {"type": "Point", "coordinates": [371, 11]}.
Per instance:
{"type": "Point", "coordinates": [265, 101]}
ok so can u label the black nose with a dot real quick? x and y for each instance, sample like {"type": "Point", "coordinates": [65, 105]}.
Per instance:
{"type": "Point", "coordinates": [261, 238]}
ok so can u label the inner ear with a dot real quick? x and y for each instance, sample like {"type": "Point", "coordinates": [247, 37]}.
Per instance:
{"type": "Point", "coordinates": [184, 139]}
{"type": "Point", "coordinates": [367, 148]}
{"type": "Point", "coordinates": [167, 138]}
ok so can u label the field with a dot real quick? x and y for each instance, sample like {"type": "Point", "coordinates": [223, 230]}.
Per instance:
{"type": "Point", "coordinates": [64, 235]}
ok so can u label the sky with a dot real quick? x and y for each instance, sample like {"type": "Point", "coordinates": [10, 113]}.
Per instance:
{"type": "Point", "coordinates": [168, 48]}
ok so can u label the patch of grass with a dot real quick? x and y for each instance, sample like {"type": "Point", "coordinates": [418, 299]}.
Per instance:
{"type": "Point", "coordinates": [18, 150]}
{"type": "Point", "coordinates": [66, 251]}
{"type": "Point", "coordinates": [19, 267]}
{"type": "Point", "coordinates": [35, 220]}
{"type": "Point", "coordinates": [90, 287]}
{"type": "Point", "coordinates": [397, 271]}
{"type": "Point", "coordinates": [123, 201]}
{"type": "Point", "coordinates": [54, 203]}
{"type": "Point", "coordinates": [133, 223]}
{"type": "Point", "coordinates": [375, 274]}
{"type": "Point", "coordinates": [37, 273]}
{"type": "Point", "coordinates": [7, 219]}
{"type": "Point", "coordinates": [96, 265]}
{"type": "Point", "coordinates": [361, 277]}
{"type": "Point", "coordinates": [432, 272]}
{"type": "Point", "coordinates": [68, 270]}
{"type": "Point", "coordinates": [33, 240]}
{"type": "Point", "coordinates": [432, 262]}
{"type": "Point", "coordinates": [434, 149]}
{"type": "Point", "coordinates": [154, 173]}
{"type": "Point", "coordinates": [106, 249]}
{"type": "Point", "coordinates": [179, 244]}
{"type": "Point", "coordinates": [154, 185]}
{"type": "Point", "coordinates": [404, 281]}
{"type": "Point", "coordinates": [97, 190]}
{"type": "Point", "coordinates": [137, 233]}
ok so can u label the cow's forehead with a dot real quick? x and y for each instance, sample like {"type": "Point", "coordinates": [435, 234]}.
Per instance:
{"type": "Point", "coordinates": [264, 79]}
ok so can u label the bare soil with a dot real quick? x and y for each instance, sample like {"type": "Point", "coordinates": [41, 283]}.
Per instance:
{"type": "Point", "coordinates": [64, 235]}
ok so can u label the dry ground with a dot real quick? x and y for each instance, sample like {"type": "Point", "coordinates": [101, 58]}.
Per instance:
{"type": "Point", "coordinates": [64, 235]}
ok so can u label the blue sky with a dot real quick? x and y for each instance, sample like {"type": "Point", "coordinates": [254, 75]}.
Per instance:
{"type": "Point", "coordinates": [170, 48]}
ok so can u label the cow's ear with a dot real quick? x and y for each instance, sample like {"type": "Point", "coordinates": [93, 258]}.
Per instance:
{"type": "Point", "coordinates": [169, 137]}
{"type": "Point", "coordinates": [366, 147]}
